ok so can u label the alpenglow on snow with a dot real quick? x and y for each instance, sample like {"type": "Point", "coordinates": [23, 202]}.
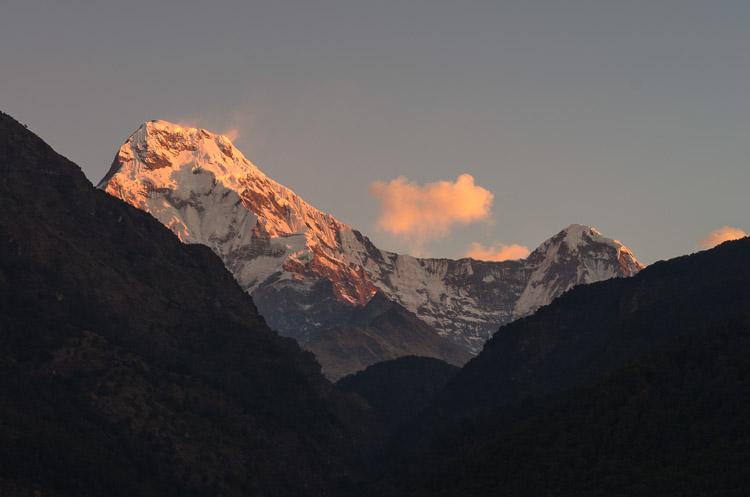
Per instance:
{"type": "Point", "coordinates": [304, 269]}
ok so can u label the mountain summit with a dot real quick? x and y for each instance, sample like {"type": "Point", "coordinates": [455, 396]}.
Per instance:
{"type": "Point", "coordinates": [206, 191]}
{"type": "Point", "coordinates": [307, 272]}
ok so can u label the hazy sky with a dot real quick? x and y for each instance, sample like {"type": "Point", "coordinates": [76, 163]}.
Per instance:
{"type": "Point", "coordinates": [629, 116]}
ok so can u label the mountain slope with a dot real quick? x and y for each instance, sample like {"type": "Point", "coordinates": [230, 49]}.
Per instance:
{"type": "Point", "coordinates": [380, 331]}
{"type": "Point", "coordinates": [305, 269]}
{"type": "Point", "coordinates": [593, 328]}
{"type": "Point", "coordinates": [133, 364]}
{"type": "Point", "coordinates": [673, 422]}
{"type": "Point", "coordinates": [401, 388]}
{"type": "Point", "coordinates": [579, 398]}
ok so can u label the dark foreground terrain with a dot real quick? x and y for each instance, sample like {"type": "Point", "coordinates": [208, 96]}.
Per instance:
{"type": "Point", "coordinates": [133, 365]}
{"type": "Point", "coordinates": [635, 386]}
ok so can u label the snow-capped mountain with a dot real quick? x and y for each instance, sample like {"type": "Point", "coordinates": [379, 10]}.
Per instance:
{"type": "Point", "coordinates": [307, 272]}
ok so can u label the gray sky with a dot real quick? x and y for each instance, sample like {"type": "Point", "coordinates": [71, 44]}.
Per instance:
{"type": "Point", "coordinates": [629, 116]}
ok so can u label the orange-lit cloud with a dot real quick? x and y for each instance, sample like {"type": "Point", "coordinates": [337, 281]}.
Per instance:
{"type": "Point", "coordinates": [232, 134]}
{"type": "Point", "coordinates": [719, 236]}
{"type": "Point", "coordinates": [497, 252]}
{"type": "Point", "coordinates": [240, 121]}
{"type": "Point", "coordinates": [418, 214]}
{"type": "Point", "coordinates": [240, 125]}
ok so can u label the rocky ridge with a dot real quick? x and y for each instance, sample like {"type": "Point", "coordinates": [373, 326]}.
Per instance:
{"type": "Point", "coordinates": [307, 272]}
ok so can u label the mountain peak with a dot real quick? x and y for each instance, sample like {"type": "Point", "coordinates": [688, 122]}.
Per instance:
{"type": "Point", "coordinates": [162, 155]}
{"type": "Point", "coordinates": [204, 189]}
{"type": "Point", "coordinates": [158, 148]}
{"type": "Point", "coordinates": [306, 270]}
{"type": "Point", "coordinates": [577, 254]}
{"type": "Point", "coordinates": [578, 237]}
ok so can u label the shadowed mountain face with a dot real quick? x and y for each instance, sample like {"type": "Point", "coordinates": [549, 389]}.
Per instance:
{"type": "Point", "coordinates": [673, 422]}
{"type": "Point", "coordinates": [401, 388]}
{"type": "Point", "coordinates": [306, 270]}
{"type": "Point", "coordinates": [635, 386]}
{"type": "Point", "coordinates": [380, 331]}
{"type": "Point", "coordinates": [133, 364]}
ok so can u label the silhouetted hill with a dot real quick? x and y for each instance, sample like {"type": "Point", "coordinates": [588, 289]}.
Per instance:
{"type": "Point", "coordinates": [672, 423]}
{"type": "Point", "coordinates": [634, 386]}
{"type": "Point", "coordinates": [400, 389]}
{"type": "Point", "coordinates": [132, 364]}
{"type": "Point", "coordinates": [380, 331]}
{"type": "Point", "coordinates": [595, 328]}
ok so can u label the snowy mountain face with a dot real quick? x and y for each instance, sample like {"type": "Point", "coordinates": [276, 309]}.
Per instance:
{"type": "Point", "coordinates": [308, 272]}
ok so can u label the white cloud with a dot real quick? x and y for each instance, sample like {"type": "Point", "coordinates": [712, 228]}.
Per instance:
{"type": "Point", "coordinates": [418, 214]}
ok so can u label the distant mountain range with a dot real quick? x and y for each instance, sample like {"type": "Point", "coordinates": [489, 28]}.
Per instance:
{"type": "Point", "coordinates": [307, 272]}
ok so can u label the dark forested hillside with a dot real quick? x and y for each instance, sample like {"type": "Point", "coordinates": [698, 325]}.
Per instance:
{"type": "Point", "coordinates": [401, 388]}
{"type": "Point", "coordinates": [676, 422]}
{"type": "Point", "coordinates": [131, 364]}
{"type": "Point", "coordinates": [594, 328]}
{"type": "Point", "coordinates": [627, 387]}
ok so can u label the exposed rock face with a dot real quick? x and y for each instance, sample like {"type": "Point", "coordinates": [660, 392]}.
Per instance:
{"type": "Point", "coordinates": [306, 271]}
{"type": "Point", "coordinates": [380, 331]}
{"type": "Point", "coordinates": [467, 300]}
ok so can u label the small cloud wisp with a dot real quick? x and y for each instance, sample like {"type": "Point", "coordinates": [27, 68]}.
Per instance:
{"type": "Point", "coordinates": [240, 122]}
{"type": "Point", "coordinates": [497, 252]}
{"type": "Point", "coordinates": [720, 235]}
{"type": "Point", "coordinates": [418, 214]}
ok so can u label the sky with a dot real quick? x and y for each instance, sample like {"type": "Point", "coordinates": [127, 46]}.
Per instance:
{"type": "Point", "coordinates": [629, 116]}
